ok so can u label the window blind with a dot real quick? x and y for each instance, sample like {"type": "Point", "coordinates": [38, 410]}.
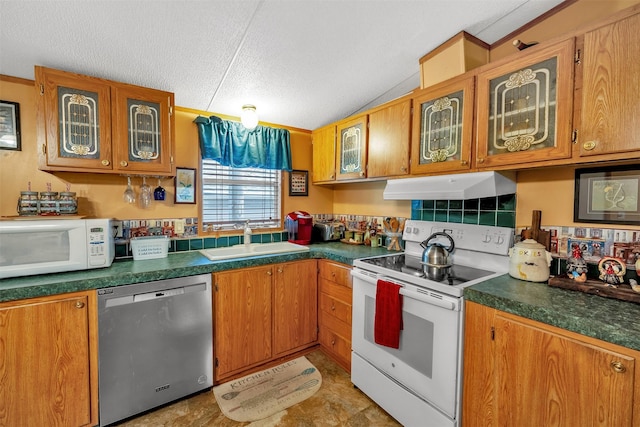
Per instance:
{"type": "Point", "coordinates": [231, 196]}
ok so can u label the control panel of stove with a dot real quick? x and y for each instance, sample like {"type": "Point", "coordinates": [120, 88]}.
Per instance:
{"type": "Point", "coordinates": [481, 238]}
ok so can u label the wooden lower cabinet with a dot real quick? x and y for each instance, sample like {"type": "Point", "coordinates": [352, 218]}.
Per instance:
{"type": "Point", "coordinates": [334, 317]}
{"type": "Point", "coordinates": [263, 313]}
{"type": "Point", "coordinates": [519, 372]}
{"type": "Point", "coordinates": [48, 361]}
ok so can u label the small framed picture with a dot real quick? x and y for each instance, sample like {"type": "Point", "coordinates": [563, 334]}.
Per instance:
{"type": "Point", "coordinates": [298, 183]}
{"type": "Point", "coordinates": [10, 126]}
{"type": "Point", "coordinates": [608, 195]}
{"type": "Point", "coordinates": [185, 183]}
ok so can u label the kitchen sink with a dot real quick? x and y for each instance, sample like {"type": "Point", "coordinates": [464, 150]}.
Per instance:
{"type": "Point", "coordinates": [255, 249]}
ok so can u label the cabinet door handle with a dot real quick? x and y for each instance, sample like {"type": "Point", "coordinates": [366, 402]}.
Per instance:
{"type": "Point", "coordinates": [79, 304]}
{"type": "Point", "coordinates": [589, 145]}
{"type": "Point", "coordinates": [106, 162]}
{"type": "Point", "coordinates": [618, 367]}
{"type": "Point", "coordinates": [269, 273]}
{"type": "Point", "coordinates": [333, 307]}
{"type": "Point", "coordinates": [480, 160]}
{"type": "Point", "coordinates": [124, 163]}
{"type": "Point", "coordinates": [463, 162]}
{"type": "Point", "coordinates": [279, 269]}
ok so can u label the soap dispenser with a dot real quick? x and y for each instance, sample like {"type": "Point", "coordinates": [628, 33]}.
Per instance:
{"type": "Point", "coordinates": [247, 235]}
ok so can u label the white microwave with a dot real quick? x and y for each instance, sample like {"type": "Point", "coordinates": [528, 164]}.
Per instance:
{"type": "Point", "coordinates": [41, 246]}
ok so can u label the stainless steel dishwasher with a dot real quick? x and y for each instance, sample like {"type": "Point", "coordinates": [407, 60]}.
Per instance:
{"type": "Point", "coordinates": [155, 344]}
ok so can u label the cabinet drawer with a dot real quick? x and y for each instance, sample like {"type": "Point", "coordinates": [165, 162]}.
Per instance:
{"type": "Point", "coordinates": [329, 322]}
{"type": "Point", "coordinates": [339, 292]}
{"type": "Point", "coordinates": [336, 308]}
{"type": "Point", "coordinates": [336, 344]}
{"type": "Point", "coordinates": [338, 273]}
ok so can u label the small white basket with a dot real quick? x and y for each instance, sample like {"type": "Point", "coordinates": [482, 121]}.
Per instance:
{"type": "Point", "coordinates": [149, 247]}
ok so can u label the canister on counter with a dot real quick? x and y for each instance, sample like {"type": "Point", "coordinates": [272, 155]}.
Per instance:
{"type": "Point", "coordinates": [68, 203]}
{"type": "Point", "coordinates": [28, 203]}
{"type": "Point", "coordinates": [49, 203]}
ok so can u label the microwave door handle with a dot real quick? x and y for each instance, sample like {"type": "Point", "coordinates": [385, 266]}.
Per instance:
{"type": "Point", "coordinates": [417, 296]}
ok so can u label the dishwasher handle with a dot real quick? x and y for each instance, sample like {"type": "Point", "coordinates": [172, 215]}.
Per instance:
{"type": "Point", "coordinates": [162, 293]}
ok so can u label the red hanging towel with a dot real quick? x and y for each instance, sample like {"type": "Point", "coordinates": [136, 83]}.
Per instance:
{"type": "Point", "coordinates": [388, 318]}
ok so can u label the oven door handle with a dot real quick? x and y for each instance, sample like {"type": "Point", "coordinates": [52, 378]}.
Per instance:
{"type": "Point", "coordinates": [417, 296]}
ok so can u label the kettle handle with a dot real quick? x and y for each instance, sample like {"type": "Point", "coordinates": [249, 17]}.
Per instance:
{"type": "Point", "coordinates": [440, 233]}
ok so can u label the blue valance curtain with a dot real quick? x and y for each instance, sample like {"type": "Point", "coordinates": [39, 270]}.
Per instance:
{"type": "Point", "coordinates": [231, 144]}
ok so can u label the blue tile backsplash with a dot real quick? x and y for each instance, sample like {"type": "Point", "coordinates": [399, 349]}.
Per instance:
{"type": "Point", "coordinates": [496, 211]}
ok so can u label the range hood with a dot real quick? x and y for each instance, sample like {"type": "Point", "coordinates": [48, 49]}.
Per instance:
{"type": "Point", "coordinates": [463, 186]}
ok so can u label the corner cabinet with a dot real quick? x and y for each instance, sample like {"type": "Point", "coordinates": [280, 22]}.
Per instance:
{"type": "Point", "coordinates": [351, 146]}
{"type": "Point", "coordinates": [49, 361]}
{"type": "Point", "coordinates": [334, 300]}
{"type": "Point", "coordinates": [443, 127]}
{"type": "Point", "coordinates": [262, 313]}
{"type": "Point", "coordinates": [88, 124]}
{"type": "Point", "coordinates": [389, 139]}
{"type": "Point", "coordinates": [519, 372]}
{"type": "Point", "coordinates": [324, 154]}
{"type": "Point", "coordinates": [609, 102]}
{"type": "Point", "coordinates": [525, 106]}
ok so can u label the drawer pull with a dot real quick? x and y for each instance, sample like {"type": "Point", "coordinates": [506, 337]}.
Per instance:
{"type": "Point", "coordinates": [333, 342]}
{"type": "Point", "coordinates": [79, 304]}
{"type": "Point", "coordinates": [589, 145]}
{"type": "Point", "coordinates": [333, 307]}
{"type": "Point", "coordinates": [618, 367]}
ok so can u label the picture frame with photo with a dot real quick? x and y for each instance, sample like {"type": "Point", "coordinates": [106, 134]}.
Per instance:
{"type": "Point", "coordinates": [10, 126]}
{"type": "Point", "coordinates": [608, 195]}
{"type": "Point", "coordinates": [299, 183]}
{"type": "Point", "coordinates": [185, 186]}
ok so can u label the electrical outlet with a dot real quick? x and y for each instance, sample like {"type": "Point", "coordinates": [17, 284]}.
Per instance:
{"type": "Point", "coordinates": [179, 226]}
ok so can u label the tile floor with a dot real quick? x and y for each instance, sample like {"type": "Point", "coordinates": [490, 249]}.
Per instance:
{"type": "Point", "coordinates": [337, 403]}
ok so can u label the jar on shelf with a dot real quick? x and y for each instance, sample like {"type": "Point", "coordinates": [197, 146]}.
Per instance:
{"type": "Point", "coordinates": [49, 203]}
{"type": "Point", "coordinates": [28, 203]}
{"type": "Point", "coordinates": [68, 203]}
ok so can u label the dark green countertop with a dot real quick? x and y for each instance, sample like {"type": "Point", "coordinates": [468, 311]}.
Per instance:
{"type": "Point", "coordinates": [607, 319]}
{"type": "Point", "coordinates": [178, 264]}
{"type": "Point", "coordinates": [591, 315]}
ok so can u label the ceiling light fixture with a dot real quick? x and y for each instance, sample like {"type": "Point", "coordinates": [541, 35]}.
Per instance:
{"type": "Point", "coordinates": [249, 117]}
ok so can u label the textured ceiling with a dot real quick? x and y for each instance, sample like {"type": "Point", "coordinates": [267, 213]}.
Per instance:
{"type": "Point", "coordinates": [303, 63]}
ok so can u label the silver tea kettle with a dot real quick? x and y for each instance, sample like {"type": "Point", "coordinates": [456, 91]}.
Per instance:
{"type": "Point", "coordinates": [435, 257]}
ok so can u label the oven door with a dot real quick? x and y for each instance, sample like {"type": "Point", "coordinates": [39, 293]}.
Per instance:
{"type": "Point", "coordinates": [427, 362]}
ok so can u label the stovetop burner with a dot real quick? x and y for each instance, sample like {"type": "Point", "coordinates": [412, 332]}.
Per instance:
{"type": "Point", "coordinates": [407, 264]}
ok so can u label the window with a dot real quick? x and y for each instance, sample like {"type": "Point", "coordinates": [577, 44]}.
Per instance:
{"type": "Point", "coordinates": [231, 196]}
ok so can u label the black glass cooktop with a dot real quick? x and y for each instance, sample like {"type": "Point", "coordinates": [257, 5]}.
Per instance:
{"type": "Point", "coordinates": [456, 275]}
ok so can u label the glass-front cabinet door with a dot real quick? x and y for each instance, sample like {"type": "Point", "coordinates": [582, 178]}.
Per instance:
{"type": "Point", "coordinates": [73, 120]}
{"type": "Point", "coordinates": [524, 107]}
{"type": "Point", "coordinates": [443, 127]}
{"type": "Point", "coordinates": [351, 155]}
{"type": "Point", "coordinates": [142, 129]}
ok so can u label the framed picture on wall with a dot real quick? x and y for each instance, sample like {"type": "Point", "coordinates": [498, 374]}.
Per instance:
{"type": "Point", "coordinates": [608, 195]}
{"type": "Point", "coordinates": [10, 125]}
{"type": "Point", "coordinates": [185, 183]}
{"type": "Point", "coordinates": [298, 183]}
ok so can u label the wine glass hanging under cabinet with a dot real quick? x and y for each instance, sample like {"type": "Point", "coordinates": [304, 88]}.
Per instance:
{"type": "Point", "coordinates": [524, 107]}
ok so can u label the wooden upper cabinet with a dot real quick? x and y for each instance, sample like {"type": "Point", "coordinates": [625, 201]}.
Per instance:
{"type": "Point", "coordinates": [142, 129]}
{"type": "Point", "coordinates": [524, 107]}
{"type": "Point", "coordinates": [73, 121]}
{"type": "Point", "coordinates": [324, 154]}
{"type": "Point", "coordinates": [88, 124]}
{"type": "Point", "coordinates": [389, 139]}
{"type": "Point", "coordinates": [351, 155]}
{"type": "Point", "coordinates": [610, 109]}
{"type": "Point", "coordinates": [443, 127]}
